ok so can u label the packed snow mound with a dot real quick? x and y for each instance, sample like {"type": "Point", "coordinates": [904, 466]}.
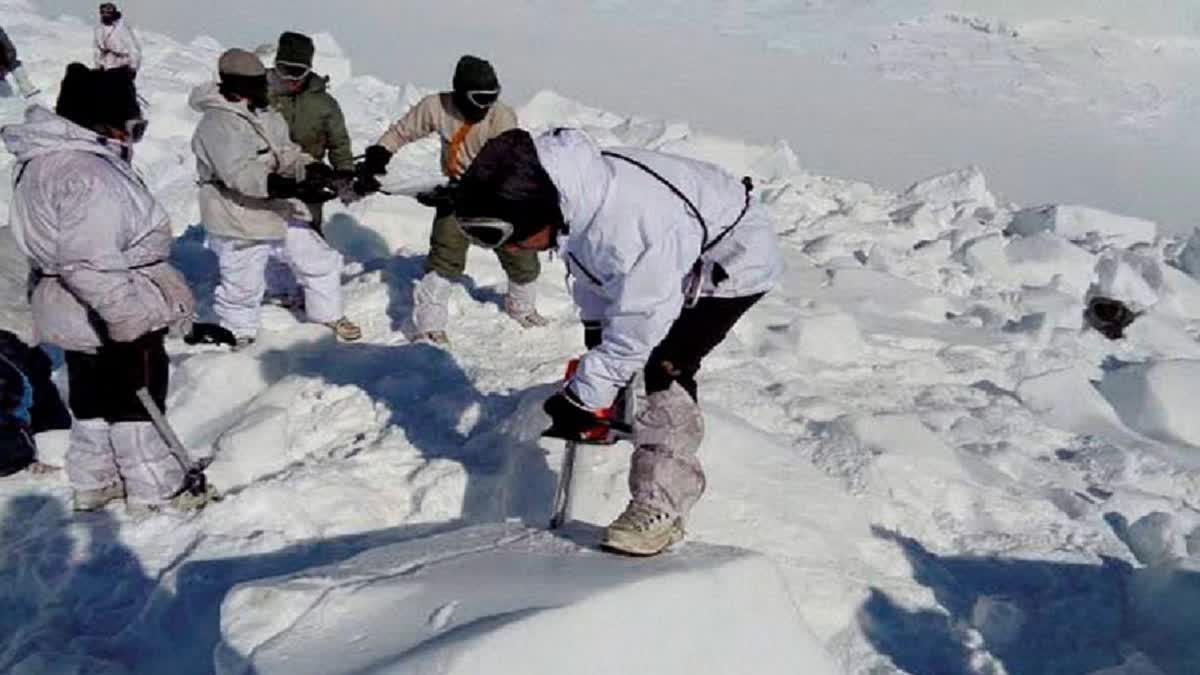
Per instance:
{"type": "Point", "coordinates": [1158, 399]}
{"type": "Point", "coordinates": [1084, 225]}
{"type": "Point", "coordinates": [535, 605]}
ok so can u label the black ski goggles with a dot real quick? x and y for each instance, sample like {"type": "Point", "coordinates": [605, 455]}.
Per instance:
{"type": "Point", "coordinates": [483, 98]}
{"type": "Point", "coordinates": [486, 232]}
{"type": "Point", "coordinates": [135, 130]}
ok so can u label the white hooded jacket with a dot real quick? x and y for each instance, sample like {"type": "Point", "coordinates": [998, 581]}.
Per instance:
{"type": "Point", "coordinates": [96, 237]}
{"type": "Point", "coordinates": [116, 46]}
{"type": "Point", "coordinates": [235, 152]}
{"type": "Point", "coordinates": [633, 243]}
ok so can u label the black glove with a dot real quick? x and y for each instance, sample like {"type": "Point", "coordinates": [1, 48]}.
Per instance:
{"type": "Point", "coordinates": [319, 172]}
{"type": "Point", "coordinates": [568, 418]}
{"type": "Point", "coordinates": [440, 197]}
{"type": "Point", "coordinates": [281, 187]}
{"type": "Point", "coordinates": [374, 163]}
{"type": "Point", "coordinates": [593, 334]}
{"type": "Point", "coordinates": [210, 334]}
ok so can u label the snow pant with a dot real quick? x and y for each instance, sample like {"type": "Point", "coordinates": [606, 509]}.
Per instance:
{"type": "Point", "coordinates": [113, 440]}
{"type": "Point", "coordinates": [24, 85]}
{"type": "Point", "coordinates": [665, 471]}
{"type": "Point", "coordinates": [447, 260]}
{"type": "Point", "coordinates": [317, 267]}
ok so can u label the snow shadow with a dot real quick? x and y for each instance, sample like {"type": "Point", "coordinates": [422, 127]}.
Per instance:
{"type": "Point", "coordinates": [1036, 616]}
{"type": "Point", "coordinates": [443, 415]}
{"type": "Point", "coordinates": [74, 603]}
{"type": "Point", "coordinates": [71, 603]}
{"type": "Point", "coordinates": [198, 265]}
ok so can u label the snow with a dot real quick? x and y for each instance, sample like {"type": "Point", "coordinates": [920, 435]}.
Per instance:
{"type": "Point", "coordinates": [920, 457]}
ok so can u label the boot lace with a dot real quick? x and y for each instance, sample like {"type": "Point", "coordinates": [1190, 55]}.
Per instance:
{"type": "Point", "coordinates": [640, 517]}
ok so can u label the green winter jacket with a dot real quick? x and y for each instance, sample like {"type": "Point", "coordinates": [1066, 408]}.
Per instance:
{"type": "Point", "coordinates": [314, 120]}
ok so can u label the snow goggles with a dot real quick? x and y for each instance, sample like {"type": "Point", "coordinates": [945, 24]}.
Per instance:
{"type": "Point", "coordinates": [486, 232]}
{"type": "Point", "coordinates": [292, 71]}
{"type": "Point", "coordinates": [483, 98]}
{"type": "Point", "coordinates": [135, 130]}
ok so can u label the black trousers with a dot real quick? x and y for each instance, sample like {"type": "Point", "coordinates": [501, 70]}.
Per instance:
{"type": "Point", "coordinates": [104, 385]}
{"type": "Point", "coordinates": [697, 331]}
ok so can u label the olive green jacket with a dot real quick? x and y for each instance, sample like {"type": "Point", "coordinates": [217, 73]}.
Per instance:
{"type": "Point", "coordinates": [314, 120]}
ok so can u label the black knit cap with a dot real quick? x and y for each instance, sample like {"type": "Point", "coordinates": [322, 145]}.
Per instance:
{"type": "Point", "coordinates": [295, 48]}
{"type": "Point", "coordinates": [92, 98]}
{"type": "Point", "coordinates": [474, 74]}
{"type": "Point", "coordinates": [506, 181]}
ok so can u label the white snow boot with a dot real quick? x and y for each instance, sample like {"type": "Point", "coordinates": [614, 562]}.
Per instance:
{"type": "Point", "coordinates": [431, 307]}
{"type": "Point", "coordinates": [94, 500]}
{"type": "Point", "coordinates": [345, 329]}
{"type": "Point", "coordinates": [520, 303]}
{"type": "Point", "coordinates": [24, 85]}
{"type": "Point", "coordinates": [643, 530]}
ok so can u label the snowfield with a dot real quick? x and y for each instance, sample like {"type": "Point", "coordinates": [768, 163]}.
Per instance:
{"type": "Point", "coordinates": [921, 460]}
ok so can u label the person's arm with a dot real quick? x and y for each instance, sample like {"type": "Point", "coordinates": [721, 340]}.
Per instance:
{"type": "Point", "coordinates": [341, 153]}
{"type": "Point", "coordinates": [91, 214]}
{"type": "Point", "coordinates": [233, 154]}
{"type": "Point", "coordinates": [648, 297]}
{"type": "Point", "coordinates": [417, 123]}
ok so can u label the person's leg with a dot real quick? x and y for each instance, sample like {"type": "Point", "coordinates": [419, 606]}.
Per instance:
{"type": "Point", "coordinates": [520, 303]}
{"type": "Point", "coordinates": [666, 478]}
{"type": "Point", "coordinates": [446, 261]}
{"type": "Point", "coordinates": [90, 464]}
{"type": "Point", "coordinates": [151, 473]}
{"type": "Point", "coordinates": [318, 267]}
{"type": "Point", "coordinates": [238, 299]}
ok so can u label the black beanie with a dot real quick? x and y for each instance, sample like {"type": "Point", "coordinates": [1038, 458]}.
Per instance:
{"type": "Point", "coordinates": [92, 98]}
{"type": "Point", "coordinates": [295, 48]}
{"type": "Point", "coordinates": [474, 74]}
{"type": "Point", "coordinates": [507, 181]}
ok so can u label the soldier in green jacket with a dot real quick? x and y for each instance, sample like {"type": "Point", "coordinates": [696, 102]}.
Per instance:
{"type": "Point", "coordinates": [314, 118]}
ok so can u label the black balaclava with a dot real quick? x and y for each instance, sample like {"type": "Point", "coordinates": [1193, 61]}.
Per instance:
{"type": "Point", "coordinates": [473, 74]}
{"type": "Point", "coordinates": [109, 14]}
{"type": "Point", "coordinates": [97, 98]}
{"type": "Point", "coordinates": [507, 181]}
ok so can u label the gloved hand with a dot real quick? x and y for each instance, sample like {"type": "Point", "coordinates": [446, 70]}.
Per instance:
{"type": "Point", "coordinates": [374, 163]}
{"type": "Point", "coordinates": [568, 418]}
{"type": "Point", "coordinates": [281, 187]}
{"type": "Point", "coordinates": [440, 197]}
{"type": "Point", "coordinates": [319, 172]}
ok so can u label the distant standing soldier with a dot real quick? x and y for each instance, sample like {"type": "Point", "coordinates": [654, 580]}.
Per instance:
{"type": "Point", "coordinates": [10, 63]}
{"type": "Point", "coordinates": [116, 47]}
{"type": "Point", "coordinates": [314, 118]}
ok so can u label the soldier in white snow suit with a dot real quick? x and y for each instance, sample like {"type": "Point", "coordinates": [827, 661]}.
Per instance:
{"type": "Point", "coordinates": [666, 254]}
{"type": "Point", "coordinates": [464, 118]}
{"type": "Point", "coordinates": [114, 46]}
{"type": "Point", "coordinates": [11, 64]}
{"type": "Point", "coordinates": [254, 183]}
{"type": "Point", "coordinates": [103, 291]}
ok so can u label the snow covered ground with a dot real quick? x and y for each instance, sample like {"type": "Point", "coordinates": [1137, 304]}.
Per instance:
{"type": "Point", "coordinates": [920, 458]}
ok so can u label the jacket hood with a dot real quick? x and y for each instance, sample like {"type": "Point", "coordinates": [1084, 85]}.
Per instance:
{"type": "Point", "coordinates": [582, 177]}
{"type": "Point", "coordinates": [208, 96]}
{"type": "Point", "coordinates": [44, 132]}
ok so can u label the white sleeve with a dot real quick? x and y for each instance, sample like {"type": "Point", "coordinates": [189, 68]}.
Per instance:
{"type": "Point", "coordinates": [648, 298]}
{"type": "Point", "coordinates": [238, 157]}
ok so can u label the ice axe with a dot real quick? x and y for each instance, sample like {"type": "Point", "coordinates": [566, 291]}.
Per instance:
{"type": "Point", "coordinates": [613, 424]}
{"type": "Point", "coordinates": [195, 482]}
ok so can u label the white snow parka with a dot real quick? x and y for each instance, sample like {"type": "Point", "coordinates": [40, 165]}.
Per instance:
{"type": "Point", "coordinates": [116, 46]}
{"type": "Point", "coordinates": [235, 152]}
{"type": "Point", "coordinates": [633, 243]}
{"type": "Point", "coordinates": [95, 236]}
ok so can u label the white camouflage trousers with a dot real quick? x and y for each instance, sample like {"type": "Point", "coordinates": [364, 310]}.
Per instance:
{"type": "Point", "coordinates": [102, 454]}
{"type": "Point", "coordinates": [317, 267]}
{"type": "Point", "coordinates": [666, 473]}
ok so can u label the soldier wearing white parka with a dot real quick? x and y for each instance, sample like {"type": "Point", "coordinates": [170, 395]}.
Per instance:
{"type": "Point", "coordinates": [666, 254]}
